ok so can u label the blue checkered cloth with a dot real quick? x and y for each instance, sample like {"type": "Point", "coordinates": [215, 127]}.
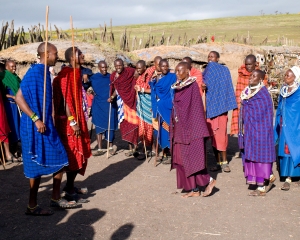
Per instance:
{"type": "Point", "coordinates": [288, 132]}
{"type": "Point", "coordinates": [258, 137]}
{"type": "Point", "coordinates": [220, 97]}
{"type": "Point", "coordinates": [43, 154]}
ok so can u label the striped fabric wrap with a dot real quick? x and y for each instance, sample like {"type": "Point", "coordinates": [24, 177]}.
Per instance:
{"type": "Point", "coordinates": [144, 107]}
{"type": "Point", "coordinates": [120, 109]}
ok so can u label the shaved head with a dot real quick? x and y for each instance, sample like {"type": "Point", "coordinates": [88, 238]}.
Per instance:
{"type": "Point", "coordinates": [161, 62]}
{"type": "Point", "coordinates": [51, 53]}
{"type": "Point", "coordinates": [9, 62]}
{"type": "Point", "coordinates": [101, 63]}
{"type": "Point", "coordinates": [10, 66]}
{"type": "Point", "coordinates": [251, 57]}
{"type": "Point", "coordinates": [183, 65]}
{"type": "Point", "coordinates": [142, 63]}
{"type": "Point", "coordinates": [41, 47]}
{"type": "Point", "coordinates": [189, 62]}
{"type": "Point", "coordinates": [260, 73]}
{"type": "Point", "coordinates": [157, 58]}
{"type": "Point", "coordinates": [182, 71]}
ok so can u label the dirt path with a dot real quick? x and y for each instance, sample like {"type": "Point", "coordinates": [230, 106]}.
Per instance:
{"type": "Point", "coordinates": [131, 199]}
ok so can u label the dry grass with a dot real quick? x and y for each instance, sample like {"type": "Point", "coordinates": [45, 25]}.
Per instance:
{"type": "Point", "coordinates": [224, 29]}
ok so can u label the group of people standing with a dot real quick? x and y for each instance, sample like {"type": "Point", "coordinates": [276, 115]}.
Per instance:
{"type": "Point", "coordinates": [181, 109]}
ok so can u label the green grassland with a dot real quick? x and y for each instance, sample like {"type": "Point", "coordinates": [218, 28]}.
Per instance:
{"type": "Point", "coordinates": [224, 29]}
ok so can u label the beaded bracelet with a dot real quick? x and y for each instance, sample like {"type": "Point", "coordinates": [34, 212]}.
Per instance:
{"type": "Point", "coordinates": [73, 123]}
{"type": "Point", "coordinates": [34, 117]}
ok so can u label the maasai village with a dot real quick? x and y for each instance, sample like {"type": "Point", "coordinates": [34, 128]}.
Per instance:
{"type": "Point", "coordinates": [152, 120]}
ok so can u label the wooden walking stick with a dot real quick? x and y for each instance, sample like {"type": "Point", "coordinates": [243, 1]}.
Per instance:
{"type": "Point", "coordinates": [74, 72]}
{"type": "Point", "coordinates": [3, 159]}
{"type": "Point", "coordinates": [139, 104]}
{"type": "Point", "coordinates": [109, 113]}
{"type": "Point", "coordinates": [45, 69]}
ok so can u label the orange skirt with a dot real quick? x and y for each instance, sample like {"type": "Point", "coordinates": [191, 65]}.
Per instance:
{"type": "Point", "coordinates": [218, 130]}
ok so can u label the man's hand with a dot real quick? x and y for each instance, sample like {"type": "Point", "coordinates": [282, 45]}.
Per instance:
{"type": "Point", "coordinates": [10, 96]}
{"type": "Point", "coordinates": [76, 130]}
{"type": "Point", "coordinates": [137, 88]}
{"type": "Point", "coordinates": [109, 100]}
{"type": "Point", "coordinates": [203, 86]}
{"type": "Point", "coordinates": [41, 127]}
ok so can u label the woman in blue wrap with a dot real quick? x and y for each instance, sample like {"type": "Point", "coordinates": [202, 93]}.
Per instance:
{"type": "Point", "coordinates": [287, 130]}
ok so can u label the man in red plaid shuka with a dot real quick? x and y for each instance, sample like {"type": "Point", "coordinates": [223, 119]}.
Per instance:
{"type": "Point", "coordinates": [70, 120]}
{"type": "Point", "coordinates": [122, 87]}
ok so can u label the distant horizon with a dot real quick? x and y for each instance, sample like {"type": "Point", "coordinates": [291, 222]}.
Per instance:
{"type": "Point", "coordinates": [136, 24]}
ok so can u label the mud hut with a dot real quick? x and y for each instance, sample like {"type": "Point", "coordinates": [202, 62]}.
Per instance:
{"type": "Point", "coordinates": [174, 54]}
{"type": "Point", "coordinates": [26, 54]}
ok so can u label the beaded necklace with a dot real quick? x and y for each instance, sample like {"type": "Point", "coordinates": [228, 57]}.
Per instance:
{"type": "Point", "coordinates": [246, 93]}
{"type": "Point", "coordinates": [284, 90]}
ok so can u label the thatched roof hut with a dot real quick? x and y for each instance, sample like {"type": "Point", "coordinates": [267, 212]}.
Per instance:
{"type": "Point", "coordinates": [26, 54]}
{"type": "Point", "coordinates": [173, 53]}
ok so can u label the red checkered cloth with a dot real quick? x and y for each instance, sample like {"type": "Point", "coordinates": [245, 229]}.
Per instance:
{"type": "Point", "coordinates": [66, 91]}
{"type": "Point", "coordinates": [198, 74]}
{"type": "Point", "coordinates": [242, 83]}
{"type": "Point", "coordinates": [143, 80]}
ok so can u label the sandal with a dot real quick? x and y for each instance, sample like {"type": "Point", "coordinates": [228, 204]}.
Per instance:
{"type": "Point", "coordinates": [141, 157]}
{"type": "Point", "coordinates": [257, 193]}
{"type": "Point", "coordinates": [38, 211]}
{"type": "Point", "coordinates": [99, 152]}
{"type": "Point", "coordinates": [191, 194]}
{"type": "Point", "coordinates": [285, 186]}
{"type": "Point", "coordinates": [77, 190]}
{"type": "Point", "coordinates": [215, 168]}
{"type": "Point", "coordinates": [63, 203]}
{"type": "Point", "coordinates": [166, 160]}
{"type": "Point", "coordinates": [151, 153]}
{"type": "Point", "coordinates": [225, 167]}
{"type": "Point", "coordinates": [81, 190]}
{"type": "Point", "coordinates": [12, 159]}
{"type": "Point", "coordinates": [75, 198]}
{"type": "Point", "coordinates": [129, 153]}
{"type": "Point", "coordinates": [113, 150]}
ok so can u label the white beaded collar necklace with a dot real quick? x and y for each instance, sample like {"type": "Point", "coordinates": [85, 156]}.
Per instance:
{"type": "Point", "coordinates": [246, 93]}
{"type": "Point", "coordinates": [284, 90]}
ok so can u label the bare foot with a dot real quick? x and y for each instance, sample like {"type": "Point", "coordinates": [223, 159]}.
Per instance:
{"type": "Point", "coordinates": [209, 188]}
{"type": "Point", "coordinates": [191, 194]}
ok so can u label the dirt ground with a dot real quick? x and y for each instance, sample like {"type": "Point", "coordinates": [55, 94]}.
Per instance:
{"type": "Point", "coordinates": [132, 199]}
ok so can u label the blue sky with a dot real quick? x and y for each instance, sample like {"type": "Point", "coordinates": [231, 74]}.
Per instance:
{"type": "Point", "coordinates": [91, 13]}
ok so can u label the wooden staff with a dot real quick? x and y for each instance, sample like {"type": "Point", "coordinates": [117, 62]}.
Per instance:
{"type": "Point", "coordinates": [45, 69]}
{"type": "Point", "coordinates": [139, 104]}
{"type": "Point", "coordinates": [156, 149]}
{"type": "Point", "coordinates": [3, 159]}
{"type": "Point", "coordinates": [74, 62]}
{"type": "Point", "coordinates": [109, 113]}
